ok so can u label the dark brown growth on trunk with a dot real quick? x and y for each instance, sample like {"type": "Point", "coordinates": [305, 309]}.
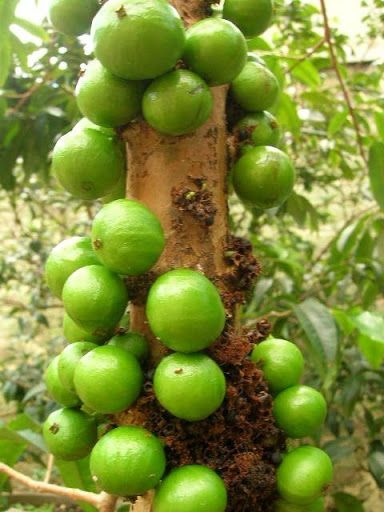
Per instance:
{"type": "Point", "coordinates": [184, 181]}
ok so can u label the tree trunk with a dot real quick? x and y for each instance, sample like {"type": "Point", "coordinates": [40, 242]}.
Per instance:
{"type": "Point", "coordinates": [184, 181]}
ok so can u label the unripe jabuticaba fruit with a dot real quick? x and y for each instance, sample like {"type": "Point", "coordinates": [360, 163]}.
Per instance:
{"type": "Point", "coordinates": [252, 17]}
{"type": "Point", "coordinates": [257, 129]}
{"type": "Point", "coordinates": [56, 389]}
{"type": "Point", "coordinates": [216, 50]}
{"type": "Point", "coordinates": [73, 333]}
{"type": "Point", "coordinates": [72, 17]}
{"type": "Point", "coordinates": [138, 40]}
{"type": "Point", "coordinates": [264, 177]}
{"type": "Point", "coordinates": [106, 99]}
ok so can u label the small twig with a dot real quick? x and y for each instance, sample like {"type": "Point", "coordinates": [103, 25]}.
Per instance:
{"type": "Point", "coordinates": [103, 502]}
{"type": "Point", "coordinates": [307, 55]}
{"type": "Point", "coordinates": [345, 91]}
{"type": "Point", "coordinates": [49, 468]}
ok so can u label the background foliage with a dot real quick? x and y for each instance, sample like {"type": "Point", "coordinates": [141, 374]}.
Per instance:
{"type": "Point", "coordinates": [322, 253]}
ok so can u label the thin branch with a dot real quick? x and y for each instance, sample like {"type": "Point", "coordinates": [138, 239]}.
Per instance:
{"type": "Point", "coordinates": [344, 88]}
{"type": "Point", "coordinates": [307, 55]}
{"type": "Point", "coordinates": [49, 468]}
{"type": "Point", "coordinates": [103, 502]}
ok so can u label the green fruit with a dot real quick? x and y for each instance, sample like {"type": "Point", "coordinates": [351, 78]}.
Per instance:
{"type": "Point", "coordinates": [185, 311]}
{"type": "Point", "coordinates": [299, 411]}
{"type": "Point", "coordinates": [189, 386]}
{"type": "Point", "coordinates": [191, 489]}
{"type": "Point", "coordinates": [284, 506]}
{"type": "Point", "coordinates": [216, 50]}
{"type": "Point", "coordinates": [128, 461]}
{"type": "Point", "coordinates": [108, 379]}
{"type": "Point", "coordinates": [177, 103]}
{"type": "Point", "coordinates": [253, 17]}
{"type": "Point", "coordinates": [118, 191]}
{"type": "Point", "coordinates": [68, 256]}
{"type": "Point", "coordinates": [256, 88]}
{"type": "Point", "coordinates": [95, 298]}
{"type": "Point", "coordinates": [132, 342]}
{"type": "Point", "coordinates": [86, 124]}
{"type": "Point", "coordinates": [138, 40]}
{"type": "Point", "coordinates": [68, 360]}
{"type": "Point", "coordinates": [106, 99]}
{"type": "Point", "coordinates": [258, 129]}
{"type": "Point", "coordinates": [303, 475]}
{"type": "Point", "coordinates": [281, 361]}
{"type": "Point", "coordinates": [264, 177]}
{"type": "Point", "coordinates": [88, 163]}
{"type": "Point", "coordinates": [73, 333]}
{"type": "Point", "coordinates": [70, 434]}
{"type": "Point", "coordinates": [72, 17]}
{"type": "Point", "coordinates": [127, 237]}
{"type": "Point", "coordinates": [55, 387]}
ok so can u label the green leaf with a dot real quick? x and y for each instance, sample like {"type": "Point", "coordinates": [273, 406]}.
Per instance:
{"type": "Point", "coordinates": [373, 350]}
{"type": "Point", "coordinates": [77, 475]}
{"type": "Point", "coordinates": [347, 503]}
{"type": "Point", "coordinates": [321, 330]}
{"type": "Point", "coordinates": [287, 114]}
{"type": "Point", "coordinates": [376, 172]}
{"type": "Point", "coordinates": [337, 122]}
{"type": "Point", "coordinates": [376, 463]}
{"type": "Point", "coordinates": [307, 74]}
{"type": "Point", "coordinates": [32, 28]}
{"type": "Point", "coordinates": [24, 422]}
{"type": "Point", "coordinates": [371, 336]}
{"type": "Point", "coordinates": [5, 60]}
{"type": "Point", "coordinates": [10, 452]}
{"type": "Point", "coordinates": [379, 120]}
{"type": "Point", "coordinates": [7, 9]}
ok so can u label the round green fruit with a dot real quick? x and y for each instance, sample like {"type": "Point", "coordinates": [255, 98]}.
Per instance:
{"type": "Point", "coordinates": [264, 177]}
{"type": "Point", "coordinates": [106, 99]}
{"type": "Point", "coordinates": [185, 311]}
{"type": "Point", "coordinates": [258, 129]}
{"type": "Point", "coordinates": [256, 88]}
{"type": "Point", "coordinates": [127, 237]}
{"type": "Point", "coordinates": [177, 103]}
{"type": "Point", "coordinates": [95, 298]}
{"type": "Point", "coordinates": [138, 40]}
{"type": "Point", "coordinates": [189, 386]}
{"type": "Point", "coordinates": [73, 333]}
{"type": "Point", "coordinates": [134, 343]}
{"type": "Point", "coordinates": [281, 361]}
{"type": "Point", "coordinates": [300, 411]}
{"type": "Point", "coordinates": [190, 489]}
{"type": "Point", "coordinates": [70, 434]}
{"type": "Point", "coordinates": [127, 461]}
{"type": "Point", "coordinates": [285, 506]}
{"type": "Point", "coordinates": [303, 475]}
{"type": "Point", "coordinates": [253, 17]}
{"type": "Point", "coordinates": [68, 360]}
{"type": "Point", "coordinates": [86, 124]}
{"type": "Point", "coordinates": [72, 17]}
{"type": "Point", "coordinates": [216, 50]}
{"type": "Point", "coordinates": [68, 256]}
{"type": "Point", "coordinates": [108, 379]}
{"type": "Point", "coordinates": [55, 387]}
{"type": "Point", "coordinates": [88, 163]}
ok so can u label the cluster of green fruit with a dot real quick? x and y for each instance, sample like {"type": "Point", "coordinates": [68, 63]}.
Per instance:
{"type": "Point", "coordinates": [300, 412]}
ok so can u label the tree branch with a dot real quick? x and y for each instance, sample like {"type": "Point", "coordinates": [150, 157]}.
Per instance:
{"type": "Point", "coordinates": [344, 89]}
{"type": "Point", "coordinates": [307, 55]}
{"type": "Point", "coordinates": [103, 502]}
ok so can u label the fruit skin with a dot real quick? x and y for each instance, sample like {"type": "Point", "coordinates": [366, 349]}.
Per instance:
{"type": "Point", "coordinates": [106, 99]}
{"type": "Point", "coordinates": [68, 360]}
{"type": "Point", "coordinates": [189, 386]}
{"type": "Point", "coordinates": [216, 50]}
{"type": "Point", "coordinates": [70, 434]}
{"type": "Point", "coordinates": [281, 361]}
{"type": "Point", "coordinates": [253, 17]}
{"type": "Point", "coordinates": [66, 257]}
{"type": "Point", "coordinates": [258, 129]}
{"type": "Point", "coordinates": [138, 40]}
{"type": "Point", "coordinates": [177, 103]}
{"type": "Point", "coordinates": [86, 124]}
{"type": "Point", "coordinates": [256, 88]}
{"type": "Point", "coordinates": [128, 461]}
{"type": "Point", "coordinates": [73, 333]}
{"type": "Point", "coordinates": [264, 177]}
{"type": "Point", "coordinates": [303, 474]}
{"type": "Point", "coordinates": [55, 388]}
{"type": "Point", "coordinates": [88, 163]}
{"type": "Point", "coordinates": [127, 237]}
{"type": "Point", "coordinates": [108, 379]}
{"type": "Point", "coordinates": [190, 489]}
{"type": "Point", "coordinates": [118, 191]}
{"type": "Point", "coordinates": [133, 342]}
{"type": "Point", "coordinates": [71, 16]}
{"type": "Point", "coordinates": [185, 311]}
{"type": "Point", "coordinates": [95, 298]}
{"type": "Point", "coordinates": [299, 411]}
{"type": "Point", "coordinates": [284, 506]}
